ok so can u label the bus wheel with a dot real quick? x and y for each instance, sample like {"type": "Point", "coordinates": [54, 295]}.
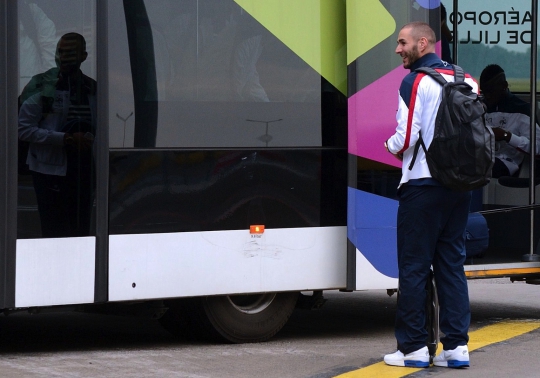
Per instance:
{"type": "Point", "coordinates": [231, 318]}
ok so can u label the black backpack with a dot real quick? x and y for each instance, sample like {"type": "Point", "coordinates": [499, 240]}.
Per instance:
{"type": "Point", "coordinates": [462, 152]}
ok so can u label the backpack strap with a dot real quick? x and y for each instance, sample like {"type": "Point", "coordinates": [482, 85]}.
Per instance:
{"type": "Point", "coordinates": [416, 148]}
{"type": "Point", "coordinates": [459, 74]}
{"type": "Point", "coordinates": [434, 74]}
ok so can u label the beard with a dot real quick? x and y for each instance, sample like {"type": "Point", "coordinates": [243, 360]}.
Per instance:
{"type": "Point", "coordinates": [411, 57]}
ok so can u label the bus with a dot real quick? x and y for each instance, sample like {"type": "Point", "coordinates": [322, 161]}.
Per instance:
{"type": "Point", "coordinates": [484, 32]}
{"type": "Point", "coordinates": [233, 159]}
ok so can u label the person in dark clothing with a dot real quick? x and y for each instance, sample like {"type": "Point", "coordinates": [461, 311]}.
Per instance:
{"type": "Point", "coordinates": [510, 119]}
{"type": "Point", "coordinates": [446, 38]}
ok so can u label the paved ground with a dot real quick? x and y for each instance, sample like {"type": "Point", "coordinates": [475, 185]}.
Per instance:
{"type": "Point", "coordinates": [351, 331]}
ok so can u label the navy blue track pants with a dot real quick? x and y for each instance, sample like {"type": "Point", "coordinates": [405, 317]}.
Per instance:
{"type": "Point", "coordinates": [431, 232]}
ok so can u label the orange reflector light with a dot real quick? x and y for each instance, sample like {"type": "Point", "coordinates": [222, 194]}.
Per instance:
{"type": "Point", "coordinates": [256, 229]}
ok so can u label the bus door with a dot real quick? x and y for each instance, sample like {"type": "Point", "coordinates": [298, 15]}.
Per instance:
{"type": "Point", "coordinates": [56, 169]}
{"type": "Point", "coordinates": [497, 45]}
{"type": "Point", "coordinates": [375, 73]}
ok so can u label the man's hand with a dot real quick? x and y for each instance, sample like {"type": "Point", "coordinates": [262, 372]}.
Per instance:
{"type": "Point", "coordinates": [82, 143]}
{"type": "Point", "coordinates": [397, 156]}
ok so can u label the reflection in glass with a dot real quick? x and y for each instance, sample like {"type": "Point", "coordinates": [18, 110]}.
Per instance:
{"type": "Point", "coordinates": [216, 66]}
{"type": "Point", "coordinates": [57, 114]}
{"type": "Point", "coordinates": [37, 41]}
{"type": "Point", "coordinates": [491, 32]}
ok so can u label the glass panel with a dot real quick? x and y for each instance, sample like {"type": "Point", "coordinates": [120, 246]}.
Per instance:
{"type": "Point", "coordinates": [57, 113]}
{"type": "Point", "coordinates": [494, 31]}
{"type": "Point", "coordinates": [494, 45]}
{"type": "Point", "coordinates": [205, 73]}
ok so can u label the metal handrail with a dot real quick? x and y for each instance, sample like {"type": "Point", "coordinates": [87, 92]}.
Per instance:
{"type": "Point", "coordinates": [534, 51]}
{"type": "Point", "coordinates": [510, 209]}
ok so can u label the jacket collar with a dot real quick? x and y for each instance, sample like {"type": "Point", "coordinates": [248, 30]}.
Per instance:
{"type": "Point", "coordinates": [428, 60]}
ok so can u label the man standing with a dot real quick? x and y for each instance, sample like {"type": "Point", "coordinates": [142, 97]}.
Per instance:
{"type": "Point", "coordinates": [431, 218]}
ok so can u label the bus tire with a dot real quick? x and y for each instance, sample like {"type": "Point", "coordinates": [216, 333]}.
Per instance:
{"type": "Point", "coordinates": [230, 318]}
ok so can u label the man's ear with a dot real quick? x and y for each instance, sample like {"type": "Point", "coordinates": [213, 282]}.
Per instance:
{"type": "Point", "coordinates": [423, 43]}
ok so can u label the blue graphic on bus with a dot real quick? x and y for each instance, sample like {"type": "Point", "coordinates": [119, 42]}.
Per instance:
{"type": "Point", "coordinates": [372, 229]}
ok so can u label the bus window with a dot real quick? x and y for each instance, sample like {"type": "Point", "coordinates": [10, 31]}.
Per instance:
{"type": "Point", "coordinates": [213, 76]}
{"type": "Point", "coordinates": [493, 32]}
{"type": "Point", "coordinates": [216, 76]}
{"type": "Point", "coordinates": [57, 118]}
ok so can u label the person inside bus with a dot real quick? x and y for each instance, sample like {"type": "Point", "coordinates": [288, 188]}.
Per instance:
{"type": "Point", "coordinates": [446, 38]}
{"type": "Point", "coordinates": [431, 218]}
{"type": "Point", "coordinates": [57, 117]}
{"type": "Point", "coordinates": [509, 117]}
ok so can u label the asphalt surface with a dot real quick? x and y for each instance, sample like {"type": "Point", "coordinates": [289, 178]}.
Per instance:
{"type": "Point", "coordinates": [351, 331]}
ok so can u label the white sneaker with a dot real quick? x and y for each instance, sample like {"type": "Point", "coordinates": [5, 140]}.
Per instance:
{"type": "Point", "coordinates": [455, 358]}
{"type": "Point", "coordinates": [418, 358]}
